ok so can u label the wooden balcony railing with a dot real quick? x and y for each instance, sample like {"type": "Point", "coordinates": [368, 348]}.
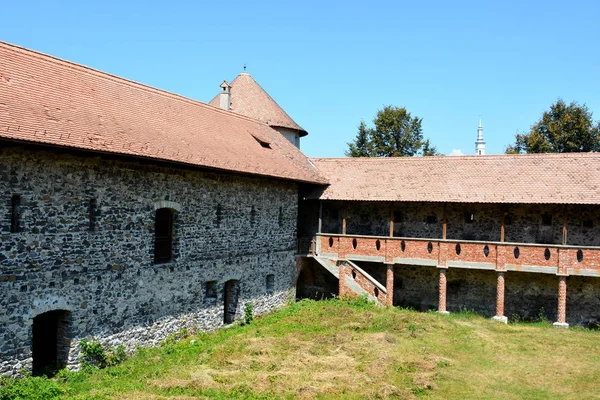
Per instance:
{"type": "Point", "coordinates": [501, 256]}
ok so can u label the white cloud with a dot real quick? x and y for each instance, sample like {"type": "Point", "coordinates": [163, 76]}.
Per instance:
{"type": "Point", "coordinates": [456, 152]}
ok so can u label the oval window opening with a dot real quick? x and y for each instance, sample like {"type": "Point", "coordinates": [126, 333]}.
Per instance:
{"type": "Point", "coordinates": [429, 247]}
{"type": "Point", "coordinates": [354, 243]}
{"type": "Point", "coordinates": [330, 242]}
{"type": "Point", "coordinates": [353, 274]}
{"type": "Point", "coordinates": [378, 244]}
{"type": "Point", "coordinates": [579, 256]}
{"type": "Point", "coordinates": [547, 254]}
{"type": "Point", "coordinates": [403, 245]}
{"type": "Point", "coordinates": [458, 248]}
{"type": "Point", "coordinates": [376, 292]}
{"type": "Point", "coordinates": [516, 252]}
{"type": "Point", "coordinates": [486, 250]}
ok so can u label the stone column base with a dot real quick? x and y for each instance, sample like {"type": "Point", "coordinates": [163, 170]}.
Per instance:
{"type": "Point", "coordinates": [443, 312]}
{"type": "Point", "coordinates": [502, 319]}
{"type": "Point", "coordinates": [562, 325]}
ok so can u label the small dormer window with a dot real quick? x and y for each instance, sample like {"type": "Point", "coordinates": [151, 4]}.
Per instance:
{"type": "Point", "coordinates": [263, 144]}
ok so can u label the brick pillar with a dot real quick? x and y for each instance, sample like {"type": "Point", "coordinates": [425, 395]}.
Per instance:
{"type": "Point", "coordinates": [500, 299]}
{"type": "Point", "coordinates": [562, 303]}
{"type": "Point", "coordinates": [342, 279]}
{"type": "Point", "coordinates": [389, 285]}
{"type": "Point", "coordinates": [442, 292]}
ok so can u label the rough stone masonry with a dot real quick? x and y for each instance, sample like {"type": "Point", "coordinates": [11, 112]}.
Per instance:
{"type": "Point", "coordinates": [84, 245]}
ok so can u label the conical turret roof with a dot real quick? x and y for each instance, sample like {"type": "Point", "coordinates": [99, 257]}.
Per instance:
{"type": "Point", "coordinates": [248, 98]}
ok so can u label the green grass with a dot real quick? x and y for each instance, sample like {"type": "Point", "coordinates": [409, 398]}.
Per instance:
{"type": "Point", "coordinates": [350, 350]}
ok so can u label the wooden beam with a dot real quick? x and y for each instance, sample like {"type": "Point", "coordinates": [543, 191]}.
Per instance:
{"type": "Point", "coordinates": [344, 217]}
{"type": "Point", "coordinates": [444, 223]}
{"type": "Point", "coordinates": [502, 229]}
{"type": "Point", "coordinates": [565, 230]}
{"type": "Point", "coordinates": [392, 220]}
{"type": "Point", "coordinates": [320, 227]}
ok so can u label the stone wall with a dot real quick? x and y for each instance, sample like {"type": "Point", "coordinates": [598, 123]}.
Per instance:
{"type": "Point", "coordinates": [226, 227]}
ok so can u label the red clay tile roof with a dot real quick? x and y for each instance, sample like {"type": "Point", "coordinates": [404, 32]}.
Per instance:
{"type": "Point", "coordinates": [538, 178]}
{"type": "Point", "coordinates": [249, 99]}
{"type": "Point", "coordinates": [47, 100]}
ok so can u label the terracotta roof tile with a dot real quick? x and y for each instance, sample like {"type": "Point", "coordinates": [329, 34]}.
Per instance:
{"type": "Point", "coordinates": [47, 100]}
{"type": "Point", "coordinates": [572, 178]}
{"type": "Point", "coordinates": [250, 99]}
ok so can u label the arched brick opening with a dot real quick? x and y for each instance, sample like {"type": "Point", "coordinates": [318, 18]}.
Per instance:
{"type": "Point", "coordinates": [51, 341]}
{"type": "Point", "coordinates": [230, 300]}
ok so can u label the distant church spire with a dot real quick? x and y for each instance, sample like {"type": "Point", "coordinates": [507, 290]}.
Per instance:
{"type": "Point", "coordinates": [480, 143]}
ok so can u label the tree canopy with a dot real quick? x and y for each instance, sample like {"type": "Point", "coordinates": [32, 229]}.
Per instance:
{"type": "Point", "coordinates": [395, 134]}
{"type": "Point", "coordinates": [562, 129]}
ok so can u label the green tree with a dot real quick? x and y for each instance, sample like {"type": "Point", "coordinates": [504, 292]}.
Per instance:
{"type": "Point", "coordinates": [395, 134]}
{"type": "Point", "coordinates": [562, 129]}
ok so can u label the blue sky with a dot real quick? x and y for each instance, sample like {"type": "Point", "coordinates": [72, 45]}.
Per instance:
{"type": "Point", "coordinates": [332, 64]}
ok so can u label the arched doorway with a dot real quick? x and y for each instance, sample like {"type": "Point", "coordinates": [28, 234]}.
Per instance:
{"type": "Point", "coordinates": [50, 342]}
{"type": "Point", "coordinates": [230, 299]}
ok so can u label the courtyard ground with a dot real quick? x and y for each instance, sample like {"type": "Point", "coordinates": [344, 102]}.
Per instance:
{"type": "Point", "coordinates": [349, 350]}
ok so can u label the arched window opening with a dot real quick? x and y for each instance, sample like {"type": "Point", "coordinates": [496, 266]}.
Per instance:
{"type": "Point", "coordinates": [163, 235]}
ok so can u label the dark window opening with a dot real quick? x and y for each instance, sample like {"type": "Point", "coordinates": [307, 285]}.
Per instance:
{"type": "Point", "coordinates": [431, 219]}
{"type": "Point", "coordinates": [330, 242]}
{"type": "Point", "coordinates": [253, 216]}
{"type": "Point", "coordinates": [219, 216]}
{"type": "Point", "coordinates": [458, 249]}
{"type": "Point", "coordinates": [546, 219]}
{"type": "Point", "coordinates": [354, 243]}
{"type": "Point", "coordinates": [588, 223]}
{"type": "Point", "coordinates": [579, 256]}
{"type": "Point", "coordinates": [163, 235]}
{"type": "Point", "coordinates": [50, 342]}
{"type": "Point", "coordinates": [210, 291]}
{"type": "Point", "coordinates": [15, 213]}
{"type": "Point", "coordinates": [486, 250]}
{"type": "Point", "coordinates": [403, 245]}
{"type": "Point", "coordinates": [92, 214]}
{"type": "Point", "coordinates": [376, 292]}
{"type": "Point", "coordinates": [516, 252]}
{"type": "Point", "coordinates": [547, 254]}
{"type": "Point", "coordinates": [469, 218]}
{"type": "Point", "coordinates": [270, 283]}
{"type": "Point", "coordinates": [398, 217]}
{"type": "Point", "coordinates": [353, 274]}
{"type": "Point", "coordinates": [280, 216]}
{"type": "Point", "coordinates": [232, 295]}
{"type": "Point", "coordinates": [429, 247]}
{"type": "Point", "coordinates": [378, 245]}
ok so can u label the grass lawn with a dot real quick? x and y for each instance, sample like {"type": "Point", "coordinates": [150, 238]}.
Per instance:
{"type": "Point", "coordinates": [349, 350]}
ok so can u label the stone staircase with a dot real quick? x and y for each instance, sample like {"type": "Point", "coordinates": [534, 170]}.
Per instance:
{"type": "Point", "coordinates": [356, 281]}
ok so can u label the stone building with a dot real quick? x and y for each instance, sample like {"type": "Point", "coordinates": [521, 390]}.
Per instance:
{"type": "Point", "coordinates": [128, 213]}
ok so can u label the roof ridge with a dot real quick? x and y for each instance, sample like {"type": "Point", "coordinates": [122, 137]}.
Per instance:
{"type": "Point", "coordinates": [130, 82]}
{"type": "Point", "coordinates": [465, 156]}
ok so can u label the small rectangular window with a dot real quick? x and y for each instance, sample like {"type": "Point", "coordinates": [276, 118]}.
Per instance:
{"type": "Point", "coordinates": [163, 235]}
{"type": "Point", "coordinates": [546, 219]}
{"type": "Point", "coordinates": [280, 216]}
{"type": "Point", "coordinates": [15, 213]}
{"type": "Point", "coordinates": [469, 218]}
{"type": "Point", "coordinates": [210, 291]}
{"type": "Point", "coordinates": [270, 283]}
{"type": "Point", "coordinates": [92, 214]}
{"type": "Point", "coordinates": [431, 219]}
